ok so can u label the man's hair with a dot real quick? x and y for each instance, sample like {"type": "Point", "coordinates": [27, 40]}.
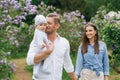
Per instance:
{"type": "Point", "coordinates": [55, 16]}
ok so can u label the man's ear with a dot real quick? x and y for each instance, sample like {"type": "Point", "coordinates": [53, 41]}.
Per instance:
{"type": "Point", "coordinates": [58, 25]}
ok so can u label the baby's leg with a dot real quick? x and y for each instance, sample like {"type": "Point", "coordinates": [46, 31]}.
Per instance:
{"type": "Point", "coordinates": [36, 70]}
{"type": "Point", "coordinates": [48, 63]}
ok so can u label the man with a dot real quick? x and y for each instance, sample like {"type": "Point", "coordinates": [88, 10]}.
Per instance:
{"type": "Point", "coordinates": [58, 50]}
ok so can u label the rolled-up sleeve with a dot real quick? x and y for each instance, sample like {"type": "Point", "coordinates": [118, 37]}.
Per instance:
{"type": "Point", "coordinates": [67, 60]}
{"type": "Point", "coordinates": [30, 56]}
{"type": "Point", "coordinates": [105, 61]}
{"type": "Point", "coordinates": [79, 62]}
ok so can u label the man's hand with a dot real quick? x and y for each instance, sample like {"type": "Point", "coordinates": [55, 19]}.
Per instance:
{"type": "Point", "coordinates": [73, 76]}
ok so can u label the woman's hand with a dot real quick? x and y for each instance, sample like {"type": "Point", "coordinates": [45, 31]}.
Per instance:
{"type": "Point", "coordinates": [106, 77]}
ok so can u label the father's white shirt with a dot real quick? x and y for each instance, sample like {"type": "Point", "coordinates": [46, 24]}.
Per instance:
{"type": "Point", "coordinates": [61, 58]}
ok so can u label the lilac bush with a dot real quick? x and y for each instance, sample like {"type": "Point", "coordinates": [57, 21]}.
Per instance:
{"type": "Point", "coordinates": [15, 34]}
{"type": "Point", "coordinates": [14, 31]}
{"type": "Point", "coordinates": [12, 14]}
{"type": "Point", "coordinates": [6, 67]}
{"type": "Point", "coordinates": [72, 25]}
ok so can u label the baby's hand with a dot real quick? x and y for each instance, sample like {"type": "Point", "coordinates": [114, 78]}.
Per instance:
{"type": "Point", "coordinates": [41, 27]}
{"type": "Point", "coordinates": [43, 45]}
{"type": "Point", "coordinates": [50, 47]}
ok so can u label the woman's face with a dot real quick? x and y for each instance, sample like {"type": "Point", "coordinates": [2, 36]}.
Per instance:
{"type": "Point", "coordinates": [90, 32]}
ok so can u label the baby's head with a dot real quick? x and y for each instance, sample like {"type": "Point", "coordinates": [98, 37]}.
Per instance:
{"type": "Point", "coordinates": [39, 20]}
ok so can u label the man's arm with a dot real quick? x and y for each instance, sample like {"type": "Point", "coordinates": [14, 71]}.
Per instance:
{"type": "Point", "coordinates": [68, 63]}
{"type": "Point", "coordinates": [72, 76]}
{"type": "Point", "coordinates": [41, 56]}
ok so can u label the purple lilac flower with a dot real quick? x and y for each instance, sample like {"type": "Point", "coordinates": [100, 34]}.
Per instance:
{"type": "Point", "coordinates": [5, 11]}
{"type": "Point", "coordinates": [9, 18]}
{"type": "Point", "coordinates": [84, 22]}
{"type": "Point", "coordinates": [13, 66]}
{"type": "Point", "coordinates": [42, 3]}
{"type": "Point", "coordinates": [82, 16]}
{"type": "Point", "coordinates": [112, 47]}
{"type": "Point", "coordinates": [7, 0]}
{"type": "Point", "coordinates": [2, 23]}
{"type": "Point", "coordinates": [8, 53]}
{"type": "Point", "coordinates": [17, 6]}
{"type": "Point", "coordinates": [6, 5]}
{"type": "Point", "coordinates": [66, 15]}
{"type": "Point", "coordinates": [1, 61]}
{"type": "Point", "coordinates": [33, 11]}
{"type": "Point", "coordinates": [15, 21]}
{"type": "Point", "coordinates": [11, 38]}
{"type": "Point", "coordinates": [22, 24]}
{"type": "Point", "coordinates": [3, 2]}
{"type": "Point", "coordinates": [16, 43]}
{"type": "Point", "coordinates": [15, 31]}
{"type": "Point", "coordinates": [24, 14]}
{"type": "Point", "coordinates": [1, 6]}
{"type": "Point", "coordinates": [13, 2]}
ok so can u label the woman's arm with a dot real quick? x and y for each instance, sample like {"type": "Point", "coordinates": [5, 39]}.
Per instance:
{"type": "Point", "coordinates": [106, 63]}
{"type": "Point", "coordinates": [79, 62]}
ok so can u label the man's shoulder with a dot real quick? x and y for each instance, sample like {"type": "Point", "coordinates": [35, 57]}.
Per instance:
{"type": "Point", "coordinates": [64, 39]}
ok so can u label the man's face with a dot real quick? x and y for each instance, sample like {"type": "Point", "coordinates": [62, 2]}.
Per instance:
{"type": "Point", "coordinates": [51, 26]}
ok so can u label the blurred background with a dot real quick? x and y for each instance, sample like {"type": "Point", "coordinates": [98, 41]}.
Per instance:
{"type": "Point", "coordinates": [17, 28]}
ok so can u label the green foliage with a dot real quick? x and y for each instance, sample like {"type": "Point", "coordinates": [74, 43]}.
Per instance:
{"type": "Point", "coordinates": [76, 5]}
{"type": "Point", "coordinates": [65, 5]}
{"type": "Point", "coordinates": [113, 5]}
{"type": "Point", "coordinates": [112, 38]}
{"type": "Point", "coordinates": [5, 68]}
{"type": "Point", "coordinates": [92, 6]}
{"type": "Point", "coordinates": [48, 2]}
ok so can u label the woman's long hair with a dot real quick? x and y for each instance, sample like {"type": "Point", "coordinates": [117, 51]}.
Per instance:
{"type": "Point", "coordinates": [85, 40]}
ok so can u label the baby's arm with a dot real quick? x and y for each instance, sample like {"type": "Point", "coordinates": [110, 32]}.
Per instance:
{"type": "Point", "coordinates": [39, 37]}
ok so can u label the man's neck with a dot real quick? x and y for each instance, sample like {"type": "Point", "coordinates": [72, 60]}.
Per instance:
{"type": "Point", "coordinates": [52, 37]}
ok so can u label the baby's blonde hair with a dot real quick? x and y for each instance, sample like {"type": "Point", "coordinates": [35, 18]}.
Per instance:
{"type": "Point", "coordinates": [40, 19]}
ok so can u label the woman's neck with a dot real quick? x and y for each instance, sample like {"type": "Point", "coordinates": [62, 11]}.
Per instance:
{"type": "Point", "coordinates": [91, 41]}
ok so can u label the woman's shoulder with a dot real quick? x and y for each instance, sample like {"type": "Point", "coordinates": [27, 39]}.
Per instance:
{"type": "Point", "coordinates": [102, 43]}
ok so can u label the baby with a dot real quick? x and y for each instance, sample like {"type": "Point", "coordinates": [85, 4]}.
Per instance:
{"type": "Point", "coordinates": [39, 42]}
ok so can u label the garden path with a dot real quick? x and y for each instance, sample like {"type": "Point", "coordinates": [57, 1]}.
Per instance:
{"type": "Point", "coordinates": [21, 73]}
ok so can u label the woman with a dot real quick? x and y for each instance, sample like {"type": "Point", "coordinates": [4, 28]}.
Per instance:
{"type": "Point", "coordinates": [92, 59]}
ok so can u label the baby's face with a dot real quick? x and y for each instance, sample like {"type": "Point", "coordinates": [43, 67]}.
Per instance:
{"type": "Point", "coordinates": [42, 26]}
